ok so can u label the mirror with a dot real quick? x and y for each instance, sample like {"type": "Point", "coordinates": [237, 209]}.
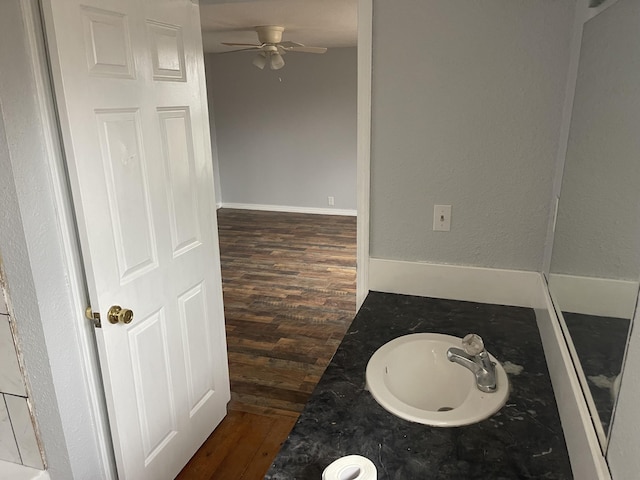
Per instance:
{"type": "Point", "coordinates": [595, 262]}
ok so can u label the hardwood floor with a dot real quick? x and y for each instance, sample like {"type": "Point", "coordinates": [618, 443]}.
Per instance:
{"type": "Point", "coordinates": [241, 448]}
{"type": "Point", "coordinates": [289, 293]}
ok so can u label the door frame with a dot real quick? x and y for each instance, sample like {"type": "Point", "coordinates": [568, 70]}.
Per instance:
{"type": "Point", "coordinates": [52, 334]}
{"type": "Point", "coordinates": [83, 338]}
{"type": "Point", "coordinates": [363, 168]}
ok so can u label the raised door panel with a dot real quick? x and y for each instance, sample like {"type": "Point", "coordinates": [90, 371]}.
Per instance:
{"type": "Point", "coordinates": [107, 43]}
{"type": "Point", "coordinates": [167, 51]}
{"type": "Point", "coordinates": [178, 153]}
{"type": "Point", "coordinates": [127, 185]}
{"type": "Point", "coordinates": [149, 353]}
{"type": "Point", "coordinates": [197, 346]}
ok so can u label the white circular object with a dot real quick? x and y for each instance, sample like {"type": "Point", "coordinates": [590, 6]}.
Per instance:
{"type": "Point", "coordinates": [351, 467]}
{"type": "Point", "coordinates": [412, 378]}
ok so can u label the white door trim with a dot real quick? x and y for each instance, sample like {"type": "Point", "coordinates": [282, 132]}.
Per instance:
{"type": "Point", "coordinates": [365, 38]}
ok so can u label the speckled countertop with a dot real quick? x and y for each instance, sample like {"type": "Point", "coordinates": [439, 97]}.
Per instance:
{"type": "Point", "coordinates": [523, 440]}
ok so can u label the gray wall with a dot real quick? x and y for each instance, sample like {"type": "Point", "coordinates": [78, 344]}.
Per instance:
{"type": "Point", "coordinates": [467, 103]}
{"type": "Point", "coordinates": [286, 137]}
{"type": "Point", "coordinates": [598, 224]}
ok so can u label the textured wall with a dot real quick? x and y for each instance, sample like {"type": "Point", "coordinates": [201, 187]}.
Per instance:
{"type": "Point", "coordinates": [467, 100]}
{"type": "Point", "coordinates": [34, 264]}
{"type": "Point", "coordinates": [598, 225]}
{"type": "Point", "coordinates": [22, 291]}
{"type": "Point", "coordinates": [286, 137]}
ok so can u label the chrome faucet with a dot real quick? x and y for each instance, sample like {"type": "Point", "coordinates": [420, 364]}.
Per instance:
{"type": "Point", "coordinates": [475, 358]}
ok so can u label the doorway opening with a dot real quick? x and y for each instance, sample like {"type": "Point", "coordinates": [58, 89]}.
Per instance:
{"type": "Point", "coordinates": [289, 274]}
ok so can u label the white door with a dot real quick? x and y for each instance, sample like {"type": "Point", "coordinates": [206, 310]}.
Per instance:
{"type": "Point", "coordinates": [130, 88]}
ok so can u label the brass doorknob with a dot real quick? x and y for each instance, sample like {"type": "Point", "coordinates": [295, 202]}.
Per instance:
{"type": "Point", "coordinates": [117, 314]}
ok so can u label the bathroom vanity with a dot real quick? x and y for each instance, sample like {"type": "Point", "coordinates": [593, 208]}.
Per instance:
{"type": "Point", "coordinates": [523, 440]}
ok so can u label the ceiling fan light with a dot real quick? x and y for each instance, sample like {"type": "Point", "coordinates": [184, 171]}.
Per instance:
{"type": "Point", "coordinates": [260, 61]}
{"type": "Point", "coordinates": [277, 62]}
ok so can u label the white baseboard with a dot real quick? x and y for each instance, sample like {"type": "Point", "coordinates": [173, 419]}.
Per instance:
{"type": "Point", "coordinates": [587, 459]}
{"type": "Point", "coordinates": [474, 284]}
{"type": "Point", "coordinates": [290, 209]}
{"type": "Point", "coordinates": [594, 296]}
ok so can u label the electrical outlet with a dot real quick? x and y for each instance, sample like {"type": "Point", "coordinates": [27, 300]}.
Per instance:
{"type": "Point", "coordinates": [441, 218]}
{"type": "Point", "coordinates": [331, 201]}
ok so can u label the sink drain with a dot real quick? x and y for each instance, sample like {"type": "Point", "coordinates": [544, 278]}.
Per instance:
{"type": "Point", "coordinates": [445, 409]}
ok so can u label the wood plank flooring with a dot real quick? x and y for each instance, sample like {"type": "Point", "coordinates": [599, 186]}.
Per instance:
{"type": "Point", "coordinates": [289, 293]}
{"type": "Point", "coordinates": [241, 448]}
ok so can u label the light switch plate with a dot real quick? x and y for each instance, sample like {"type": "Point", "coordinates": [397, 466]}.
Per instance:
{"type": "Point", "coordinates": [442, 218]}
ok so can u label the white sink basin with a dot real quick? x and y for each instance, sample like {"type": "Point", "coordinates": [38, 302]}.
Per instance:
{"type": "Point", "coordinates": [412, 378]}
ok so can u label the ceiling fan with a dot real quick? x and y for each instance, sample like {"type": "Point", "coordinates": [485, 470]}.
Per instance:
{"type": "Point", "coordinates": [271, 47]}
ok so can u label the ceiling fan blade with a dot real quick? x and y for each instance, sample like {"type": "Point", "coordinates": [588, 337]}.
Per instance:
{"type": "Point", "coordinates": [242, 44]}
{"type": "Point", "coordinates": [288, 44]}
{"type": "Point", "coordinates": [256, 48]}
{"type": "Point", "coordinates": [305, 49]}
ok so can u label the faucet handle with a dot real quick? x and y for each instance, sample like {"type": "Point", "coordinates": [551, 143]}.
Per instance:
{"type": "Point", "coordinates": [472, 344]}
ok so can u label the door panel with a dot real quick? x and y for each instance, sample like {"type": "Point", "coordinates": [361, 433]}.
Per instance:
{"type": "Point", "coordinates": [197, 347]}
{"type": "Point", "coordinates": [129, 83]}
{"type": "Point", "coordinates": [107, 44]}
{"type": "Point", "coordinates": [175, 129]}
{"type": "Point", "coordinates": [167, 51]}
{"type": "Point", "coordinates": [149, 354]}
{"type": "Point", "coordinates": [127, 185]}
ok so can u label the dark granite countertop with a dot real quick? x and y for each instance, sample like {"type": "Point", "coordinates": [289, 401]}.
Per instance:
{"type": "Point", "coordinates": [523, 440]}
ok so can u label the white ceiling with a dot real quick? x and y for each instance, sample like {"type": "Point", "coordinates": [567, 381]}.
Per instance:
{"type": "Point", "coordinates": [317, 23]}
